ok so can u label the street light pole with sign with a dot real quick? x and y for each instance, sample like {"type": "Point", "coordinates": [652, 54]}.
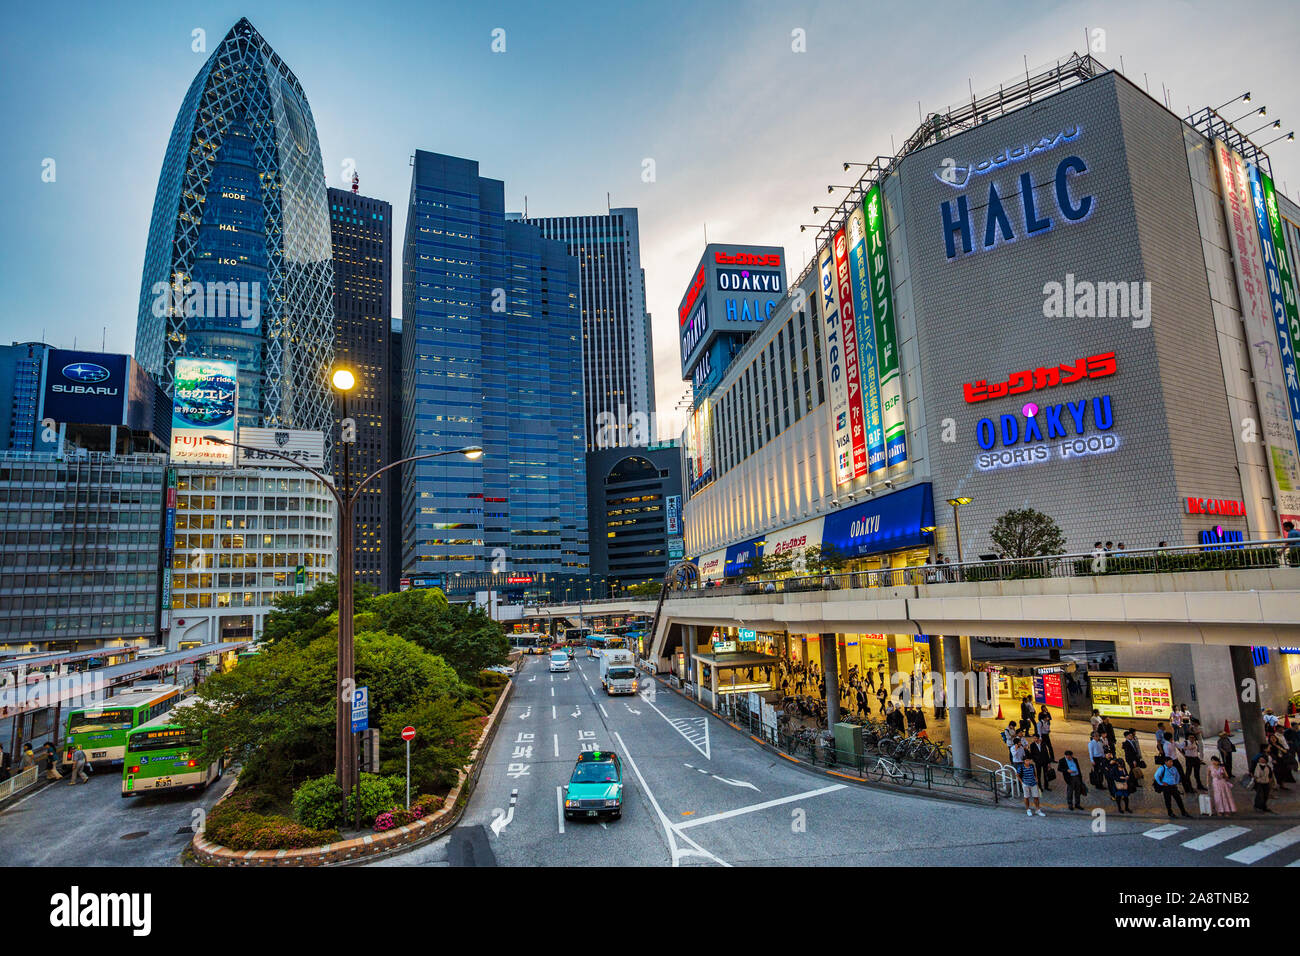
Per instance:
{"type": "Point", "coordinates": [345, 750]}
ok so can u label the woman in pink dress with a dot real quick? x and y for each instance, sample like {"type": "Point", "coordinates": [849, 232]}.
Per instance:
{"type": "Point", "coordinates": [1221, 789]}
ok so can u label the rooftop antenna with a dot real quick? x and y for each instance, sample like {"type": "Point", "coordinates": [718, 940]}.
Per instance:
{"type": "Point", "coordinates": [1146, 83]}
{"type": "Point", "coordinates": [525, 206]}
{"type": "Point", "coordinates": [706, 233]}
{"type": "Point", "coordinates": [103, 341]}
{"type": "Point", "coordinates": [356, 182]}
{"type": "Point", "coordinates": [608, 204]}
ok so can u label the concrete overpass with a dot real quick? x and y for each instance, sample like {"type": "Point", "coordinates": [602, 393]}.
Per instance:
{"type": "Point", "coordinates": [1253, 606]}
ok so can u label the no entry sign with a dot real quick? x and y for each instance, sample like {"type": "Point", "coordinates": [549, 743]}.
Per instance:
{"type": "Point", "coordinates": [408, 733]}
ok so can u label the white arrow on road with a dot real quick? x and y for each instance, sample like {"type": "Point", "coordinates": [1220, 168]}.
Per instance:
{"type": "Point", "coordinates": [501, 818]}
{"type": "Point", "coordinates": [736, 783]}
{"type": "Point", "coordinates": [527, 711]}
{"type": "Point", "coordinates": [577, 712]}
{"type": "Point", "coordinates": [630, 709]}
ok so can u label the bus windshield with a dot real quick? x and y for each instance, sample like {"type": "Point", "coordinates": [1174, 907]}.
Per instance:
{"type": "Point", "coordinates": [92, 720]}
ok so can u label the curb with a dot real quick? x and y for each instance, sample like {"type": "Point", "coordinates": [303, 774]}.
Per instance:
{"type": "Point", "coordinates": [370, 846]}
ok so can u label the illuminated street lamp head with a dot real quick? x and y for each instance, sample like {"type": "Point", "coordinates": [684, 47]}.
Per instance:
{"type": "Point", "coordinates": [928, 529]}
{"type": "Point", "coordinates": [958, 501]}
{"type": "Point", "coordinates": [343, 380]}
{"type": "Point", "coordinates": [472, 452]}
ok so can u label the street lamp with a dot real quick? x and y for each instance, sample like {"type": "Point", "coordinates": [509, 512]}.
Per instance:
{"type": "Point", "coordinates": [957, 503]}
{"type": "Point", "coordinates": [345, 755]}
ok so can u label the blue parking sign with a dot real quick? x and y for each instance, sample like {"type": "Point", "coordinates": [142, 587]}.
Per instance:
{"type": "Point", "coordinates": [360, 709]}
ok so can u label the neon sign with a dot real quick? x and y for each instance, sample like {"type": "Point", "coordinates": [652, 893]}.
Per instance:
{"type": "Point", "coordinates": [1094, 366]}
{"type": "Point", "coordinates": [998, 227]}
{"type": "Point", "coordinates": [747, 259]}
{"type": "Point", "coordinates": [1024, 441]}
{"type": "Point", "coordinates": [1213, 506]}
{"type": "Point", "coordinates": [692, 294]}
{"type": "Point", "coordinates": [958, 176]}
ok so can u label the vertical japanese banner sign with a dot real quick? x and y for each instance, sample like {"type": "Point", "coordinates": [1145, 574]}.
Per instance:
{"type": "Point", "coordinates": [1252, 289]}
{"type": "Point", "coordinates": [852, 365]}
{"type": "Point", "coordinates": [169, 548]}
{"type": "Point", "coordinates": [705, 413]}
{"type": "Point", "coordinates": [882, 300]}
{"type": "Point", "coordinates": [866, 328]}
{"type": "Point", "coordinates": [693, 450]}
{"type": "Point", "coordinates": [1281, 291]}
{"type": "Point", "coordinates": [839, 402]}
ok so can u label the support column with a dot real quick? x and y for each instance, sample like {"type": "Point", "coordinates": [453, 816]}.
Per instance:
{"type": "Point", "coordinates": [957, 663]}
{"type": "Point", "coordinates": [688, 647]}
{"type": "Point", "coordinates": [1252, 717]}
{"type": "Point", "coordinates": [939, 686]}
{"type": "Point", "coordinates": [830, 671]}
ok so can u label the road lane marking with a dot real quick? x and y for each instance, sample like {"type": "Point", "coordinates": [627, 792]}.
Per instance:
{"type": "Point", "coordinates": [552, 712]}
{"type": "Point", "coordinates": [501, 818]}
{"type": "Point", "coordinates": [603, 710]}
{"type": "Point", "coordinates": [556, 738]}
{"type": "Point", "coordinates": [559, 806]}
{"type": "Point", "coordinates": [1164, 832]}
{"type": "Point", "coordinates": [552, 691]}
{"type": "Point", "coordinates": [1215, 837]}
{"type": "Point", "coordinates": [1266, 847]}
{"type": "Point", "coordinates": [670, 830]}
{"type": "Point", "coordinates": [728, 814]}
{"type": "Point", "coordinates": [736, 783]}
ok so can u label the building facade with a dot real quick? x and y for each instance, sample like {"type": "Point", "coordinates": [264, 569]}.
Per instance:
{"type": "Point", "coordinates": [635, 512]}
{"type": "Point", "coordinates": [237, 266]}
{"type": "Point", "coordinates": [361, 230]}
{"type": "Point", "coordinates": [20, 388]}
{"type": "Point", "coordinates": [238, 538]}
{"type": "Point", "coordinates": [491, 357]}
{"type": "Point", "coordinates": [1027, 308]}
{"type": "Point", "coordinates": [617, 345]}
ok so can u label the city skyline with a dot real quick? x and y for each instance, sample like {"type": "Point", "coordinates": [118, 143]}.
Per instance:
{"type": "Point", "coordinates": [729, 167]}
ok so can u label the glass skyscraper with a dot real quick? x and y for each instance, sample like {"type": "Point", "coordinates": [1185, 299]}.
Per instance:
{"type": "Point", "coordinates": [238, 260]}
{"type": "Point", "coordinates": [618, 349]}
{"type": "Point", "coordinates": [492, 356]}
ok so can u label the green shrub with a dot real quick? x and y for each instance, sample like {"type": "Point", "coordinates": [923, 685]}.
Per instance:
{"type": "Point", "coordinates": [318, 803]}
{"type": "Point", "coordinates": [239, 829]}
{"type": "Point", "coordinates": [492, 679]}
{"type": "Point", "coordinates": [427, 803]}
{"type": "Point", "coordinates": [377, 795]}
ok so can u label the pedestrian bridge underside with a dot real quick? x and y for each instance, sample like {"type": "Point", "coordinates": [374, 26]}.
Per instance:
{"type": "Point", "coordinates": [1259, 606]}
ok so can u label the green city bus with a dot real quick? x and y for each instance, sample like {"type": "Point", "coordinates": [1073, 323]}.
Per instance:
{"type": "Point", "coordinates": [162, 755]}
{"type": "Point", "coordinates": [101, 731]}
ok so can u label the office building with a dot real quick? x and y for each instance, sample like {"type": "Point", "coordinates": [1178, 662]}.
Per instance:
{"type": "Point", "coordinates": [635, 512]}
{"type": "Point", "coordinates": [361, 231]}
{"type": "Point", "coordinates": [617, 347]}
{"type": "Point", "coordinates": [20, 386]}
{"type": "Point", "coordinates": [491, 357]}
{"type": "Point", "coordinates": [237, 266]}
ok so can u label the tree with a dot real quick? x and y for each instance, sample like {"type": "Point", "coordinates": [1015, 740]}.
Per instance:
{"type": "Point", "coordinates": [302, 619]}
{"type": "Point", "coordinates": [645, 589]}
{"type": "Point", "coordinates": [275, 712]}
{"type": "Point", "coordinates": [1027, 533]}
{"type": "Point", "coordinates": [461, 634]}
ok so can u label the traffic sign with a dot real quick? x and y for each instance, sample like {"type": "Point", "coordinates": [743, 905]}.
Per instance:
{"type": "Point", "coordinates": [360, 709]}
{"type": "Point", "coordinates": [408, 733]}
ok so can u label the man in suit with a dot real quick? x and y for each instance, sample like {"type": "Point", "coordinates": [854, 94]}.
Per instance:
{"type": "Point", "coordinates": [1071, 774]}
{"type": "Point", "coordinates": [1038, 754]}
{"type": "Point", "coordinates": [1132, 757]}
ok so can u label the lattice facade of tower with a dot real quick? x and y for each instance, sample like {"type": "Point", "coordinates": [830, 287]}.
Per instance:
{"type": "Point", "coordinates": [238, 260]}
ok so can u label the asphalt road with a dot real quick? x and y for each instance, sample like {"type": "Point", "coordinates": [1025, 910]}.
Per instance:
{"type": "Point", "coordinates": [92, 825]}
{"type": "Point", "coordinates": [698, 793]}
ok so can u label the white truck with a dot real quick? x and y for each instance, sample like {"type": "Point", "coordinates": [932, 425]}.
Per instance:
{"type": "Point", "coordinates": [618, 672]}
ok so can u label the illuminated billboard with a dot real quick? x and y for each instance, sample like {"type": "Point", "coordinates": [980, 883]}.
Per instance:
{"type": "Point", "coordinates": [205, 401]}
{"type": "Point", "coordinates": [733, 290]}
{"type": "Point", "coordinates": [1143, 696]}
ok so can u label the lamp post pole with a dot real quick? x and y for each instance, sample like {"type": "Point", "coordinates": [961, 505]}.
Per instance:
{"type": "Point", "coordinates": [345, 753]}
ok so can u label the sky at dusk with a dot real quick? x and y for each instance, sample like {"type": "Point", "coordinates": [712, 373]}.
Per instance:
{"type": "Point", "coordinates": [744, 132]}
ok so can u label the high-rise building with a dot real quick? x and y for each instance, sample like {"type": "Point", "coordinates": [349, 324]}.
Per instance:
{"type": "Point", "coordinates": [393, 477]}
{"type": "Point", "coordinates": [635, 512]}
{"type": "Point", "coordinates": [617, 349]}
{"type": "Point", "coordinates": [238, 260]}
{"type": "Point", "coordinates": [361, 231]}
{"type": "Point", "coordinates": [491, 356]}
{"type": "Point", "coordinates": [20, 384]}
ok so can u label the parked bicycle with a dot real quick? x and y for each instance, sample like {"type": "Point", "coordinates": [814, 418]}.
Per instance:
{"type": "Point", "coordinates": [887, 769]}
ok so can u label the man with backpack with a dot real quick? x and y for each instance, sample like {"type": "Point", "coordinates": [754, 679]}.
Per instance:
{"type": "Point", "coordinates": [1166, 780]}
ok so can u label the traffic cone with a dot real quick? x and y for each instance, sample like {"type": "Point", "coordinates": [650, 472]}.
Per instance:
{"type": "Point", "coordinates": [1286, 721]}
{"type": "Point", "coordinates": [999, 712]}
{"type": "Point", "coordinates": [1226, 728]}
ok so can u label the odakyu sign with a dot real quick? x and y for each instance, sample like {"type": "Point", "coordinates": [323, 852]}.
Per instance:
{"type": "Point", "coordinates": [1066, 431]}
{"type": "Point", "coordinates": [886, 523]}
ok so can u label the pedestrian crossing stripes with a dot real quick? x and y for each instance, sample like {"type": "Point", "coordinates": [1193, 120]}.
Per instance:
{"type": "Point", "coordinates": [1261, 849]}
{"type": "Point", "coordinates": [695, 730]}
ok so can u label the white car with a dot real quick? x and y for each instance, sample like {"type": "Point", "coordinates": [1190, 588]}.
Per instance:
{"type": "Point", "coordinates": [559, 662]}
{"type": "Point", "coordinates": [501, 669]}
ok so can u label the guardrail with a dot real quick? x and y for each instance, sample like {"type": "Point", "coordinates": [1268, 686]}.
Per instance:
{"type": "Point", "coordinates": [1219, 556]}
{"type": "Point", "coordinates": [18, 782]}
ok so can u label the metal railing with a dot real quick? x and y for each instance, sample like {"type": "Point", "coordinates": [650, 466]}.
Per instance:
{"type": "Point", "coordinates": [18, 782]}
{"type": "Point", "coordinates": [1219, 556]}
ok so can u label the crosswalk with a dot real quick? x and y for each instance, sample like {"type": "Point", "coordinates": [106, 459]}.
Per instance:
{"type": "Point", "coordinates": [1227, 837]}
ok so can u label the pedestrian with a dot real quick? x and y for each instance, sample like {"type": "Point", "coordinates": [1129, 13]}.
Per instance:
{"type": "Point", "coordinates": [1045, 731]}
{"type": "Point", "coordinates": [78, 766]}
{"type": "Point", "coordinates": [4, 764]}
{"type": "Point", "coordinates": [1133, 757]}
{"type": "Point", "coordinates": [1030, 782]}
{"type": "Point", "coordinates": [1176, 724]}
{"type": "Point", "coordinates": [940, 702]}
{"type": "Point", "coordinates": [1194, 754]}
{"type": "Point", "coordinates": [1097, 754]}
{"type": "Point", "coordinates": [918, 715]}
{"type": "Point", "coordinates": [1226, 749]}
{"type": "Point", "coordinates": [1117, 783]}
{"type": "Point", "coordinates": [1270, 719]}
{"type": "Point", "coordinates": [1095, 719]}
{"type": "Point", "coordinates": [1009, 735]}
{"type": "Point", "coordinates": [1291, 531]}
{"type": "Point", "coordinates": [1281, 754]}
{"type": "Point", "coordinates": [29, 758]}
{"type": "Point", "coordinates": [1098, 559]}
{"type": "Point", "coordinates": [1221, 801]}
{"type": "Point", "coordinates": [51, 764]}
{"type": "Point", "coordinates": [1173, 756]}
{"type": "Point", "coordinates": [1263, 777]}
{"type": "Point", "coordinates": [1038, 755]}
{"type": "Point", "coordinates": [1166, 782]}
{"type": "Point", "coordinates": [1161, 734]}
{"type": "Point", "coordinates": [1072, 778]}
{"type": "Point", "coordinates": [1026, 714]}
{"type": "Point", "coordinates": [1018, 753]}
{"type": "Point", "coordinates": [1107, 730]}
